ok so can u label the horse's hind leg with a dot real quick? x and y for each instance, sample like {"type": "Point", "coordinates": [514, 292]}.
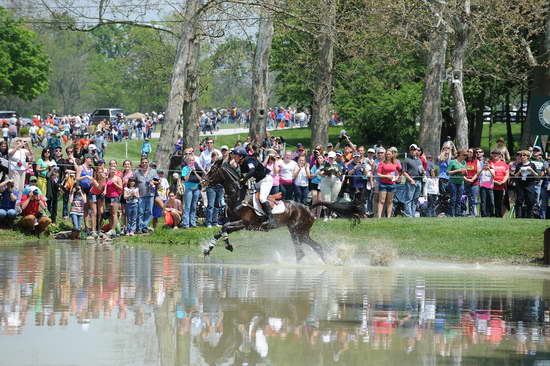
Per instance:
{"type": "Point", "coordinates": [314, 245]}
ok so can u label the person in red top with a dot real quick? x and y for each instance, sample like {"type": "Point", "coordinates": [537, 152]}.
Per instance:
{"type": "Point", "coordinates": [388, 172]}
{"type": "Point", "coordinates": [502, 173]}
{"type": "Point", "coordinates": [471, 181]}
{"type": "Point", "coordinates": [31, 204]}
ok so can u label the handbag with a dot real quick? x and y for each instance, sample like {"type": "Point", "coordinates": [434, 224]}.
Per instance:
{"type": "Point", "coordinates": [168, 219]}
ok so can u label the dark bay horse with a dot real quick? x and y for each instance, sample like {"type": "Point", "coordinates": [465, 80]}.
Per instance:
{"type": "Point", "coordinates": [297, 217]}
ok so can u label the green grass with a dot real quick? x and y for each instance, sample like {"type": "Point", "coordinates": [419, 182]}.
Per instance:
{"type": "Point", "coordinates": [458, 239]}
{"type": "Point", "coordinates": [499, 130]}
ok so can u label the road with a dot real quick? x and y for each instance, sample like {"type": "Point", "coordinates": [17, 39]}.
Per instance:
{"type": "Point", "coordinates": [226, 131]}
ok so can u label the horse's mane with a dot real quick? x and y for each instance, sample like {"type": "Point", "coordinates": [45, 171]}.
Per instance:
{"type": "Point", "coordinates": [232, 173]}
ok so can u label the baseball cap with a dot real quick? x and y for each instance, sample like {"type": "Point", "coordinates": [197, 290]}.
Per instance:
{"type": "Point", "coordinates": [331, 154]}
{"type": "Point", "coordinates": [413, 147]}
{"type": "Point", "coordinates": [299, 145]}
{"type": "Point", "coordinates": [371, 150]}
{"type": "Point", "coordinates": [356, 155]}
{"type": "Point", "coordinates": [224, 147]}
{"type": "Point", "coordinates": [329, 144]}
{"type": "Point", "coordinates": [537, 148]}
{"type": "Point", "coordinates": [92, 147]}
{"type": "Point", "coordinates": [32, 178]}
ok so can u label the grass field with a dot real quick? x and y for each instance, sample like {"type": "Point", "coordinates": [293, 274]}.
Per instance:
{"type": "Point", "coordinates": [457, 239]}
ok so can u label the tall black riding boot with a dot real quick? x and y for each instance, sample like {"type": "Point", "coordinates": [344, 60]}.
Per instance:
{"type": "Point", "coordinates": [271, 224]}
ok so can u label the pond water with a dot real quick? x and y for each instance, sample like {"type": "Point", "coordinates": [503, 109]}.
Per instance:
{"type": "Point", "coordinates": [97, 304]}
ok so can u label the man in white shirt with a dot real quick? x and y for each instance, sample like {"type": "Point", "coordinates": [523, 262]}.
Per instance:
{"type": "Point", "coordinates": [18, 157]}
{"type": "Point", "coordinates": [214, 194]}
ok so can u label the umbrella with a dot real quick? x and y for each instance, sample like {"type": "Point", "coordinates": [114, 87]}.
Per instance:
{"type": "Point", "coordinates": [136, 115]}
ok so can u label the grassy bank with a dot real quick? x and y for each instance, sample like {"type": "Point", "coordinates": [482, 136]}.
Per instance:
{"type": "Point", "coordinates": [466, 239]}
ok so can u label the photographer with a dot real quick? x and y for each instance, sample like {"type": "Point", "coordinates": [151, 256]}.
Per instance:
{"type": "Point", "coordinates": [32, 204]}
{"type": "Point", "coordinates": [77, 201]}
{"type": "Point", "coordinates": [18, 157]}
{"type": "Point", "coordinates": [8, 198]}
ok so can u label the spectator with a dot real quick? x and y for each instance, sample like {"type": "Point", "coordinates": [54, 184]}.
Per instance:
{"type": "Point", "coordinates": [486, 186]}
{"type": "Point", "coordinates": [4, 161]}
{"type": "Point", "coordinates": [8, 198]}
{"type": "Point", "coordinates": [144, 176]}
{"type": "Point", "coordinates": [52, 192]}
{"type": "Point", "coordinates": [388, 172]}
{"type": "Point", "coordinates": [301, 181]}
{"type": "Point", "coordinates": [271, 163]}
{"type": "Point", "coordinates": [315, 180]}
{"type": "Point", "coordinates": [500, 180]}
{"type": "Point", "coordinates": [191, 175]}
{"type": "Point", "coordinates": [526, 174]}
{"type": "Point", "coordinates": [502, 149]}
{"type": "Point", "coordinates": [131, 197]}
{"type": "Point", "coordinates": [113, 190]}
{"type": "Point", "coordinates": [43, 166]}
{"type": "Point", "coordinates": [444, 159]}
{"type": "Point", "coordinates": [97, 191]}
{"type": "Point", "coordinates": [471, 181]}
{"type": "Point", "coordinates": [287, 167]}
{"type": "Point", "coordinates": [457, 170]}
{"type": "Point", "coordinates": [146, 147]}
{"type": "Point", "coordinates": [214, 197]}
{"type": "Point", "coordinates": [356, 171]}
{"type": "Point", "coordinates": [77, 202]}
{"type": "Point", "coordinates": [32, 204]}
{"type": "Point", "coordinates": [413, 171]}
{"type": "Point", "coordinates": [330, 184]}
{"type": "Point", "coordinates": [18, 157]}
{"type": "Point", "coordinates": [172, 211]}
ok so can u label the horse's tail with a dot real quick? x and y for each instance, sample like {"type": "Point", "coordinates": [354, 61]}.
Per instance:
{"type": "Point", "coordinates": [315, 205]}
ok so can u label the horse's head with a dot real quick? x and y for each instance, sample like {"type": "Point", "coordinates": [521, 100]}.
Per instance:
{"type": "Point", "coordinates": [222, 173]}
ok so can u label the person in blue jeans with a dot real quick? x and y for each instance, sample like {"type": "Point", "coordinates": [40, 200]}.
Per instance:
{"type": "Point", "coordinates": [413, 172]}
{"type": "Point", "coordinates": [144, 177]}
{"type": "Point", "coordinates": [8, 198]}
{"type": "Point", "coordinates": [457, 170]}
{"type": "Point", "coordinates": [214, 195]}
{"type": "Point", "coordinates": [131, 197]}
{"type": "Point", "coordinates": [191, 174]}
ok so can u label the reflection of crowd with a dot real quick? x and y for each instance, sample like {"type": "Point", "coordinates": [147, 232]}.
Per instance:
{"type": "Point", "coordinates": [242, 314]}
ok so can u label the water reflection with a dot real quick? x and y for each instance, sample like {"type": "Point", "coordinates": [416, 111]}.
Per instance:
{"type": "Point", "coordinates": [140, 308]}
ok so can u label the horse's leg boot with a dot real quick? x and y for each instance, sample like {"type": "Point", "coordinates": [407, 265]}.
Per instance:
{"type": "Point", "coordinates": [271, 223]}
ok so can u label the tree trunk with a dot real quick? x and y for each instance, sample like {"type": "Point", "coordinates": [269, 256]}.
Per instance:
{"type": "Point", "coordinates": [460, 117]}
{"type": "Point", "coordinates": [320, 113]}
{"type": "Point", "coordinates": [260, 79]}
{"type": "Point", "coordinates": [509, 134]}
{"type": "Point", "coordinates": [432, 119]}
{"type": "Point", "coordinates": [168, 133]}
{"type": "Point", "coordinates": [539, 84]}
{"type": "Point", "coordinates": [190, 113]}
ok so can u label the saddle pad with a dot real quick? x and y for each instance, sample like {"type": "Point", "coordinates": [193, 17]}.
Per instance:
{"type": "Point", "coordinates": [278, 209]}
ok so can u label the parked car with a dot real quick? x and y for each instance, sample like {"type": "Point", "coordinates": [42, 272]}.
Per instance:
{"type": "Point", "coordinates": [108, 114]}
{"type": "Point", "coordinates": [6, 115]}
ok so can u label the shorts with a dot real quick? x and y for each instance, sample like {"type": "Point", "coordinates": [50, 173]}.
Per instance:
{"type": "Point", "coordinates": [112, 200]}
{"type": "Point", "coordinates": [384, 187]}
{"type": "Point", "coordinates": [96, 197]}
{"type": "Point", "coordinates": [314, 187]}
{"type": "Point", "coordinates": [157, 212]}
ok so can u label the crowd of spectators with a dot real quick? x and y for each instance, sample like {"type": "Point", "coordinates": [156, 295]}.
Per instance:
{"type": "Point", "coordinates": [120, 198]}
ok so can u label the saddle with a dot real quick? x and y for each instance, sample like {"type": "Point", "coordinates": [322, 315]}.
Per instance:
{"type": "Point", "coordinates": [277, 205]}
{"type": "Point", "coordinates": [273, 199]}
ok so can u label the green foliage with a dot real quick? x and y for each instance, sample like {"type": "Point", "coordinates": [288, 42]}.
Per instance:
{"type": "Point", "coordinates": [24, 66]}
{"type": "Point", "coordinates": [380, 101]}
{"type": "Point", "coordinates": [24, 131]}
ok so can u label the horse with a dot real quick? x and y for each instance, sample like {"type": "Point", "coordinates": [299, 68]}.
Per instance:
{"type": "Point", "coordinates": [297, 217]}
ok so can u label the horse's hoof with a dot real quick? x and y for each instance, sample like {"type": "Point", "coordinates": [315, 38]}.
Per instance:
{"type": "Point", "coordinates": [229, 247]}
{"type": "Point", "coordinates": [206, 251]}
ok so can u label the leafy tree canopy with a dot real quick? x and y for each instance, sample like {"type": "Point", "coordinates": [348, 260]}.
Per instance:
{"type": "Point", "coordinates": [24, 67]}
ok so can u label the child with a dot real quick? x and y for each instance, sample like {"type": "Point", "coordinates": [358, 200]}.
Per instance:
{"type": "Point", "coordinates": [131, 195]}
{"type": "Point", "coordinates": [146, 148]}
{"type": "Point", "coordinates": [77, 201]}
{"type": "Point", "coordinates": [486, 184]}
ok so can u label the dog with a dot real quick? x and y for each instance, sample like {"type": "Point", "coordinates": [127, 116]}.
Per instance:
{"type": "Point", "coordinates": [354, 210]}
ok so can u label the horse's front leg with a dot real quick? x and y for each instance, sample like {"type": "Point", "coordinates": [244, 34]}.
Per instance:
{"type": "Point", "coordinates": [227, 228]}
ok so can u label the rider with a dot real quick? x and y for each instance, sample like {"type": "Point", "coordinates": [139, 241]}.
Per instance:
{"type": "Point", "coordinates": [251, 167]}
